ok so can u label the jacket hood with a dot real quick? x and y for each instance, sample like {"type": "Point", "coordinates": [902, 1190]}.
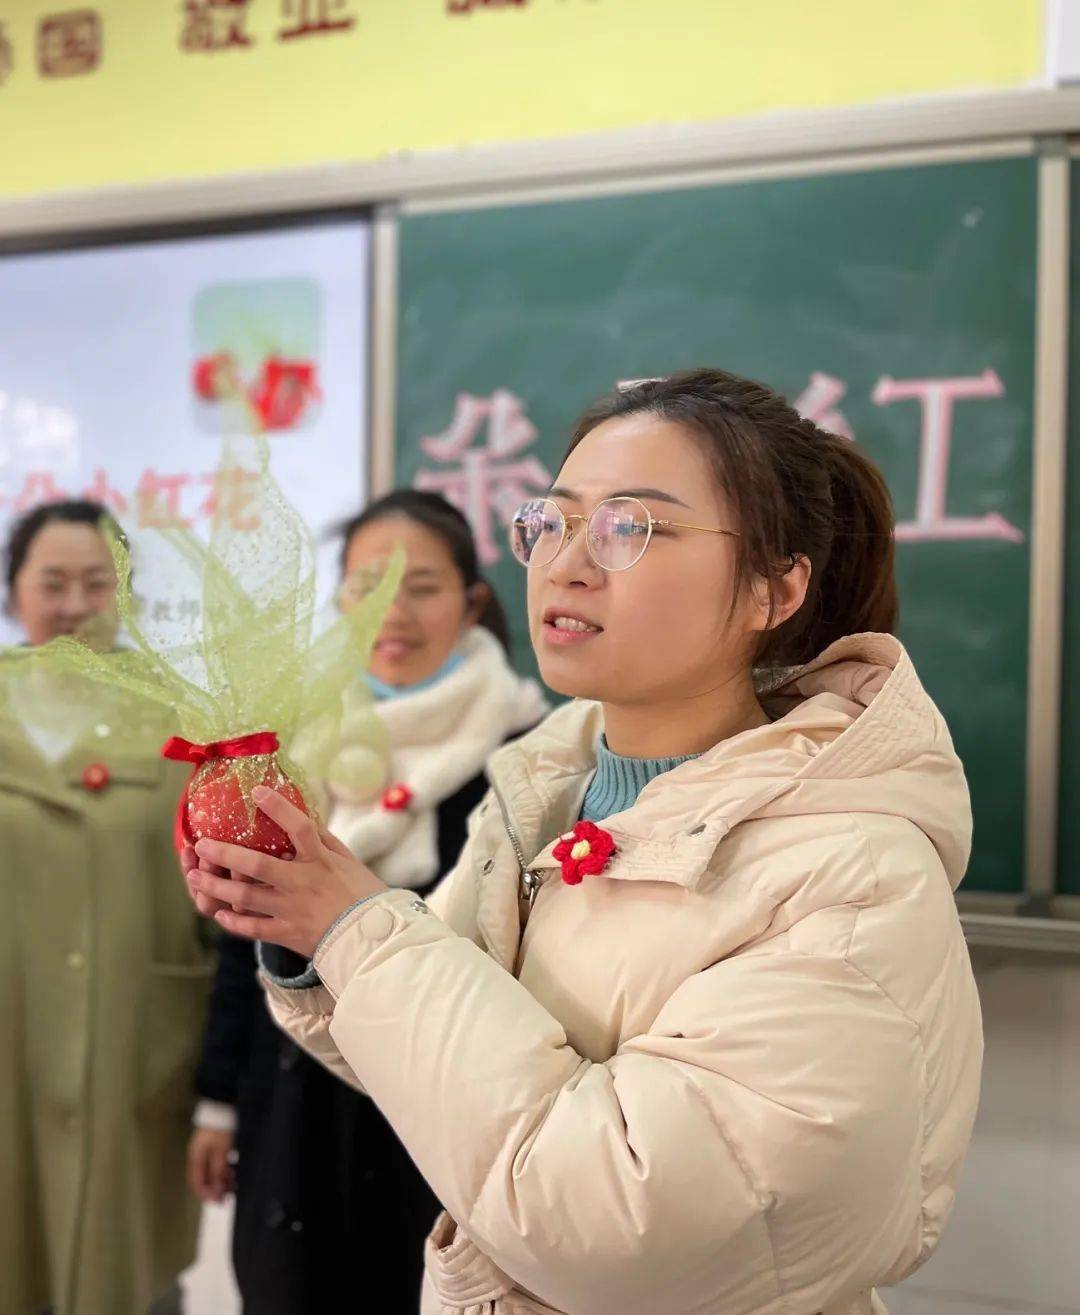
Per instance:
{"type": "Point", "coordinates": [852, 732]}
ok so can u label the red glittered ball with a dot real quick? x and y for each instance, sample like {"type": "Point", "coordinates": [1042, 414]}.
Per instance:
{"type": "Point", "coordinates": [217, 809]}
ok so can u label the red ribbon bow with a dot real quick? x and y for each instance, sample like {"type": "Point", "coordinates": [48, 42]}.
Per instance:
{"type": "Point", "coordinates": [244, 746]}
{"type": "Point", "coordinates": [181, 750]}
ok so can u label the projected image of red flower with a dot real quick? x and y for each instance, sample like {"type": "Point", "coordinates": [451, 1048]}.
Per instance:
{"type": "Point", "coordinates": [257, 346]}
{"type": "Point", "coordinates": [216, 377]}
{"type": "Point", "coordinates": [283, 392]}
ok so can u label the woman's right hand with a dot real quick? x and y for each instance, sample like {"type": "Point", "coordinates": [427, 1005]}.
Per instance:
{"type": "Point", "coordinates": [209, 1164]}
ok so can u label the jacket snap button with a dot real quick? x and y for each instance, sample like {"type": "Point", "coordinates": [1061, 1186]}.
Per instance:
{"type": "Point", "coordinates": [488, 866]}
{"type": "Point", "coordinates": [275, 1215]}
{"type": "Point", "coordinates": [695, 831]}
{"type": "Point", "coordinates": [377, 924]}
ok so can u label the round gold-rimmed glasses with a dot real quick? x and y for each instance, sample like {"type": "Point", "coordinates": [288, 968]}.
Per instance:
{"type": "Point", "coordinates": [617, 532]}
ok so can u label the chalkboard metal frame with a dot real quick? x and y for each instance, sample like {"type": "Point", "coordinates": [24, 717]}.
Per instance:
{"type": "Point", "coordinates": [1069, 830]}
{"type": "Point", "coordinates": [1047, 587]}
{"type": "Point", "coordinates": [383, 329]}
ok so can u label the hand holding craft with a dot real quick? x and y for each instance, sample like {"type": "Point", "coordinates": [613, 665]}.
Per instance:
{"type": "Point", "coordinates": [289, 902]}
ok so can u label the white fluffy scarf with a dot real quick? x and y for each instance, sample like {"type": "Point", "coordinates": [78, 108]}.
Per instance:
{"type": "Point", "coordinates": [440, 738]}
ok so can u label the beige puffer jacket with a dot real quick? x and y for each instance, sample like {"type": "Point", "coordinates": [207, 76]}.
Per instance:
{"type": "Point", "coordinates": [735, 1073]}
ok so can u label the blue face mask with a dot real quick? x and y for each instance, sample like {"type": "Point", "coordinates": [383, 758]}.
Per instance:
{"type": "Point", "coordinates": [383, 691]}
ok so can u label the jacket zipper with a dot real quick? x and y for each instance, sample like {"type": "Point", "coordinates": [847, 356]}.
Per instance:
{"type": "Point", "coordinates": [530, 881]}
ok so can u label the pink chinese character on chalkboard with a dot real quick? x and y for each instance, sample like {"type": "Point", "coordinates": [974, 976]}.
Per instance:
{"type": "Point", "coordinates": [937, 397]}
{"type": "Point", "coordinates": [818, 402]}
{"type": "Point", "coordinates": [311, 17]}
{"type": "Point", "coordinates": [487, 482]}
{"type": "Point", "coordinates": [211, 25]}
{"type": "Point", "coordinates": [69, 44]}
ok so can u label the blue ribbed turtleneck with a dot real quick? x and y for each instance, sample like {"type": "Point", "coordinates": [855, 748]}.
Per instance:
{"type": "Point", "coordinates": [619, 781]}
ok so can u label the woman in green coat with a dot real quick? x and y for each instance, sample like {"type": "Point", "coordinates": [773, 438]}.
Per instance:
{"type": "Point", "coordinates": [103, 971]}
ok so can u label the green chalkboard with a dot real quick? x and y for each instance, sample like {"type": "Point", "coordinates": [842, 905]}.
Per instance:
{"type": "Point", "coordinates": [511, 319]}
{"type": "Point", "coordinates": [1069, 851]}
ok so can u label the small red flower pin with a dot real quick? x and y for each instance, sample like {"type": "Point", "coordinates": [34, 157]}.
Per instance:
{"type": "Point", "coordinates": [585, 852]}
{"type": "Point", "coordinates": [397, 798]}
{"type": "Point", "coordinates": [96, 777]}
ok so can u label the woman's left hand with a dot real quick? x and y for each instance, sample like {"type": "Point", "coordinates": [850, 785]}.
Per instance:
{"type": "Point", "coordinates": [290, 902]}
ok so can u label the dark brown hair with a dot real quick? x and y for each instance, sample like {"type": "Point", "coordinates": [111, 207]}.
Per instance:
{"type": "Point", "coordinates": [75, 511]}
{"type": "Point", "coordinates": [442, 518]}
{"type": "Point", "coordinates": [796, 490]}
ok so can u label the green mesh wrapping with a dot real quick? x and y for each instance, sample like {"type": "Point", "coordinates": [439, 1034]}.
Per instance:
{"type": "Point", "coordinates": [222, 637]}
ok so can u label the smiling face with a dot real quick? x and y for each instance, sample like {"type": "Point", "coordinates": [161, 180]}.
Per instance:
{"type": "Point", "coordinates": [665, 628]}
{"type": "Point", "coordinates": [432, 610]}
{"type": "Point", "coordinates": [66, 580]}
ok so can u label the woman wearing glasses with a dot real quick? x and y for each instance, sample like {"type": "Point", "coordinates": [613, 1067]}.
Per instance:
{"type": "Point", "coordinates": [320, 1174]}
{"type": "Point", "coordinates": [691, 1027]}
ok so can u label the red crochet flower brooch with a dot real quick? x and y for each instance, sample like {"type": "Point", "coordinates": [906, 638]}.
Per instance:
{"type": "Point", "coordinates": [585, 852]}
{"type": "Point", "coordinates": [397, 798]}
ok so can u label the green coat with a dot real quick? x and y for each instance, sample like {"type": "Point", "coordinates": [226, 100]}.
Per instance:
{"type": "Point", "coordinates": [104, 976]}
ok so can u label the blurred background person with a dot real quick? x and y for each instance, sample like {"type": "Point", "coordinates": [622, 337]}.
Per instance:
{"type": "Point", "coordinates": [105, 972]}
{"type": "Point", "coordinates": [319, 1172]}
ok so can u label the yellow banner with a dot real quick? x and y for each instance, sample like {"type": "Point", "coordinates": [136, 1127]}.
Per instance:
{"type": "Point", "coordinates": [122, 91]}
